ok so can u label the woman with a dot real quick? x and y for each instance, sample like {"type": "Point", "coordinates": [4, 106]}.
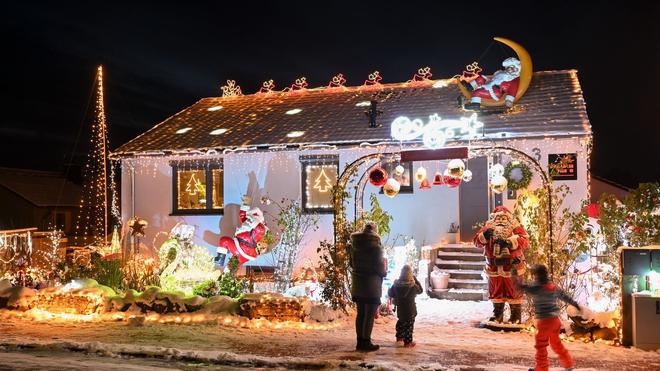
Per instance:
{"type": "Point", "coordinates": [366, 258]}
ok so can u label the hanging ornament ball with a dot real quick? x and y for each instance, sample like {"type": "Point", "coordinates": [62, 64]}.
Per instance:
{"type": "Point", "coordinates": [391, 187]}
{"type": "Point", "coordinates": [449, 180]}
{"type": "Point", "coordinates": [456, 168]}
{"type": "Point", "coordinates": [398, 171]}
{"type": "Point", "coordinates": [497, 170]}
{"type": "Point", "coordinates": [498, 184]}
{"type": "Point", "coordinates": [420, 175]}
{"type": "Point", "coordinates": [378, 177]}
{"type": "Point", "coordinates": [467, 175]}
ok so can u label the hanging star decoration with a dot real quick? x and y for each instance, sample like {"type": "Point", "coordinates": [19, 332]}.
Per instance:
{"type": "Point", "coordinates": [267, 87]}
{"type": "Point", "coordinates": [231, 89]}
{"type": "Point", "coordinates": [337, 81]}
{"type": "Point", "coordinates": [137, 226]}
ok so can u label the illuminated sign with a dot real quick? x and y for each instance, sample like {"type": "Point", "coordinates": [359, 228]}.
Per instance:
{"type": "Point", "coordinates": [436, 131]}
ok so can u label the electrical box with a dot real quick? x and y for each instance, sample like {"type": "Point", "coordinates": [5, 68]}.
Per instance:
{"type": "Point", "coordinates": [645, 321]}
{"type": "Point", "coordinates": [637, 272]}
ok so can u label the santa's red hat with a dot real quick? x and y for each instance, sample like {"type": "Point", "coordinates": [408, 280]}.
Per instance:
{"type": "Point", "coordinates": [501, 210]}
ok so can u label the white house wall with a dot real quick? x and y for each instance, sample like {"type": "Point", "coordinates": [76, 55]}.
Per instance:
{"type": "Point", "coordinates": [425, 215]}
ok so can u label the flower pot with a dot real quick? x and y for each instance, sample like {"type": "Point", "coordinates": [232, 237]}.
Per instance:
{"type": "Point", "coordinates": [439, 280]}
{"type": "Point", "coordinates": [453, 237]}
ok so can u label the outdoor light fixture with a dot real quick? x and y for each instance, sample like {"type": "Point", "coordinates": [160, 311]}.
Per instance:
{"type": "Point", "coordinates": [183, 131]}
{"type": "Point", "coordinates": [218, 131]}
{"type": "Point", "coordinates": [295, 134]}
{"type": "Point", "coordinates": [214, 108]}
{"type": "Point", "coordinates": [293, 111]}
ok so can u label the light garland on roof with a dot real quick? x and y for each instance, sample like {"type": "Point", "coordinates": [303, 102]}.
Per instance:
{"type": "Point", "coordinates": [338, 81]}
{"type": "Point", "coordinates": [231, 89]}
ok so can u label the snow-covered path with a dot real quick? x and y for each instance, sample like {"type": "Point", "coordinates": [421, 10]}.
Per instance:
{"type": "Point", "coordinates": [445, 332]}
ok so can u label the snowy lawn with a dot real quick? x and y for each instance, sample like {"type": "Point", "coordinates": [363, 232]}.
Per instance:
{"type": "Point", "coordinates": [445, 332]}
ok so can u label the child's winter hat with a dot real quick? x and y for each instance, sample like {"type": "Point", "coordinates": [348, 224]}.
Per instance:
{"type": "Point", "coordinates": [406, 274]}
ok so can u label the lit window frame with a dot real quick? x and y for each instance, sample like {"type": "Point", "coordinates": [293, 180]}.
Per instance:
{"type": "Point", "coordinates": [208, 167]}
{"type": "Point", "coordinates": [315, 160]}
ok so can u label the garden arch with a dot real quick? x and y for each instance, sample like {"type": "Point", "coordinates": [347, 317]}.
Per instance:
{"type": "Point", "coordinates": [423, 155]}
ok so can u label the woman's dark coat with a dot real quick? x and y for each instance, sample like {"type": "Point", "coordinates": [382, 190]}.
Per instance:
{"type": "Point", "coordinates": [404, 296]}
{"type": "Point", "coordinates": [366, 259]}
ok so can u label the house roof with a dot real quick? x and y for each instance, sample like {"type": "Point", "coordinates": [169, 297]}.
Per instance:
{"type": "Point", "coordinates": [552, 106]}
{"type": "Point", "coordinates": [41, 188]}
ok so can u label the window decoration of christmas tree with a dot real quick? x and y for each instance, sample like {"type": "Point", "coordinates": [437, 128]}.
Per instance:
{"type": "Point", "coordinates": [322, 183]}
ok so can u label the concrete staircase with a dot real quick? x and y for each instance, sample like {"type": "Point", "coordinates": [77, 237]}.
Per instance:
{"type": "Point", "coordinates": [465, 264]}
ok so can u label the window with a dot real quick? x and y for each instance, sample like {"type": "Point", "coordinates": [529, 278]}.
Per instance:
{"type": "Point", "coordinates": [198, 188]}
{"type": "Point", "coordinates": [319, 175]}
{"type": "Point", "coordinates": [405, 178]}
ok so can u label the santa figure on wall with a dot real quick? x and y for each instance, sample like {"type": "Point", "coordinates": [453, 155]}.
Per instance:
{"type": "Point", "coordinates": [503, 240]}
{"type": "Point", "coordinates": [502, 85]}
{"type": "Point", "coordinates": [244, 244]}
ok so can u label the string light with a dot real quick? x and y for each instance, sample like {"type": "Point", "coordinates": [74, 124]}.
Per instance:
{"type": "Point", "coordinates": [92, 224]}
{"type": "Point", "coordinates": [231, 89]}
{"type": "Point", "coordinates": [422, 75]}
{"type": "Point", "coordinates": [267, 87]}
{"type": "Point", "coordinates": [337, 81]}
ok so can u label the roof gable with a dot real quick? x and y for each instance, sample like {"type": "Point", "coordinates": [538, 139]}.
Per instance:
{"type": "Point", "coordinates": [553, 106]}
{"type": "Point", "coordinates": [41, 188]}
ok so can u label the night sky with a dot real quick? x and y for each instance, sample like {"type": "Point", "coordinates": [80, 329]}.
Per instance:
{"type": "Point", "coordinates": [160, 58]}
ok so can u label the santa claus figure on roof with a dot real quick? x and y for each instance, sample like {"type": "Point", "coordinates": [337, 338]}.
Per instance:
{"type": "Point", "coordinates": [503, 84]}
{"type": "Point", "coordinates": [503, 240]}
{"type": "Point", "coordinates": [244, 244]}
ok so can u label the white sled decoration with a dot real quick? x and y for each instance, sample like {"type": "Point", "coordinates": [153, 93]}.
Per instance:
{"type": "Point", "coordinates": [436, 132]}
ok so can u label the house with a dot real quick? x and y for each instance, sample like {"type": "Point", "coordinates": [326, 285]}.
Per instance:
{"type": "Point", "coordinates": [41, 199]}
{"type": "Point", "coordinates": [195, 166]}
{"type": "Point", "coordinates": [600, 186]}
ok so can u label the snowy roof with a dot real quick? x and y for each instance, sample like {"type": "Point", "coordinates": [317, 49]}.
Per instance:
{"type": "Point", "coordinates": [41, 188]}
{"type": "Point", "coordinates": [553, 106]}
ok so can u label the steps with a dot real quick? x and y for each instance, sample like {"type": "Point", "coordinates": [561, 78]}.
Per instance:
{"type": "Point", "coordinates": [464, 263]}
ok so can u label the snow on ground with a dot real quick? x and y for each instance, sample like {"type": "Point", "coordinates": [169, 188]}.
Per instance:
{"type": "Point", "coordinates": [445, 331]}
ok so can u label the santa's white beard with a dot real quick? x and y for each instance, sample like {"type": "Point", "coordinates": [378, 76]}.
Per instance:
{"type": "Point", "coordinates": [501, 232]}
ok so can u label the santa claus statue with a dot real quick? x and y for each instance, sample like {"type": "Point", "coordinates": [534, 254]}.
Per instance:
{"type": "Point", "coordinates": [244, 244]}
{"type": "Point", "coordinates": [503, 240]}
{"type": "Point", "coordinates": [502, 85]}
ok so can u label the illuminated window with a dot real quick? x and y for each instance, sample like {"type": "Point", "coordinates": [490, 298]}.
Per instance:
{"type": "Point", "coordinates": [319, 175]}
{"type": "Point", "coordinates": [198, 188]}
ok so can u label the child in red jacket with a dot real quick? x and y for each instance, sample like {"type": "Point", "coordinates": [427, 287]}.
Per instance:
{"type": "Point", "coordinates": [545, 294]}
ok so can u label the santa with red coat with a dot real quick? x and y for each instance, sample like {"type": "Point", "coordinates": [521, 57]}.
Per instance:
{"type": "Point", "coordinates": [503, 84]}
{"type": "Point", "coordinates": [504, 241]}
{"type": "Point", "coordinates": [246, 238]}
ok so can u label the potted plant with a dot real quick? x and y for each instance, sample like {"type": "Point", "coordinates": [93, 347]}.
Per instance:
{"type": "Point", "coordinates": [453, 236]}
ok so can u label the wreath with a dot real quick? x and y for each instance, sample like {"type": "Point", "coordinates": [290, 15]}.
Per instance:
{"type": "Point", "coordinates": [522, 179]}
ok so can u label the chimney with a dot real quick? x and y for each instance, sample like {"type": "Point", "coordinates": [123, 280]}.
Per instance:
{"type": "Point", "coordinates": [373, 113]}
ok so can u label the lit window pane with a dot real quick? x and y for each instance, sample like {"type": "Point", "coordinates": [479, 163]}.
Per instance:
{"type": "Point", "coordinates": [218, 189]}
{"type": "Point", "coordinates": [320, 180]}
{"type": "Point", "coordinates": [192, 189]}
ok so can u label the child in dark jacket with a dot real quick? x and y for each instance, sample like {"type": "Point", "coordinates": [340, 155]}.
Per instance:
{"type": "Point", "coordinates": [545, 294]}
{"type": "Point", "coordinates": [403, 293]}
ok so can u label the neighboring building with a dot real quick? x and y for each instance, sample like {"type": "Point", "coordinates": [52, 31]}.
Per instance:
{"type": "Point", "coordinates": [195, 166]}
{"type": "Point", "coordinates": [599, 186]}
{"type": "Point", "coordinates": [41, 199]}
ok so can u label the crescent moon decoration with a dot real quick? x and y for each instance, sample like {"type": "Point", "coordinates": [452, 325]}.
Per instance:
{"type": "Point", "coordinates": [525, 74]}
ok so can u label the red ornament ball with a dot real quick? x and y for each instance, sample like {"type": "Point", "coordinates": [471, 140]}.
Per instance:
{"type": "Point", "coordinates": [452, 182]}
{"type": "Point", "coordinates": [378, 177]}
